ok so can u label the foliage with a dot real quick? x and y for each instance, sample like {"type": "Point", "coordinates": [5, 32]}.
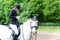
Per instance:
{"type": "Point", "coordinates": [46, 10]}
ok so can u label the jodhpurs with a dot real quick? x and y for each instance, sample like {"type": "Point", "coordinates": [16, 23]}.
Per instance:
{"type": "Point", "coordinates": [14, 28]}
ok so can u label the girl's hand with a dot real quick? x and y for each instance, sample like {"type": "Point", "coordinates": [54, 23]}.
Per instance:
{"type": "Point", "coordinates": [18, 17]}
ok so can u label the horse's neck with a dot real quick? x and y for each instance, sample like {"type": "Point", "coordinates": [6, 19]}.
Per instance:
{"type": "Point", "coordinates": [27, 23]}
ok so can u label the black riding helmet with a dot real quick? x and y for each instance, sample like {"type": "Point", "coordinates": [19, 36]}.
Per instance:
{"type": "Point", "coordinates": [17, 6]}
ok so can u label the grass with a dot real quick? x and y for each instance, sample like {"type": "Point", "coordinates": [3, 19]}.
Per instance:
{"type": "Point", "coordinates": [48, 29]}
{"type": "Point", "coordinates": [49, 24]}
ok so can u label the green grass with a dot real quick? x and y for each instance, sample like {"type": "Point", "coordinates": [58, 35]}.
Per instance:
{"type": "Point", "coordinates": [49, 24]}
{"type": "Point", "coordinates": [48, 29]}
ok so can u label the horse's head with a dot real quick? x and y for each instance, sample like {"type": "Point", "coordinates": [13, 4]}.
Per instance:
{"type": "Point", "coordinates": [34, 21]}
{"type": "Point", "coordinates": [34, 18]}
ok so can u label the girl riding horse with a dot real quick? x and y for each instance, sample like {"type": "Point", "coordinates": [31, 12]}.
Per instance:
{"type": "Point", "coordinates": [14, 24]}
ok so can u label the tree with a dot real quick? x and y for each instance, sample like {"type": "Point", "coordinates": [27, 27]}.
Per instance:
{"type": "Point", "coordinates": [47, 10]}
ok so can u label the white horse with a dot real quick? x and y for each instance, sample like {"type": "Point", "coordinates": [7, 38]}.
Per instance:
{"type": "Point", "coordinates": [5, 32]}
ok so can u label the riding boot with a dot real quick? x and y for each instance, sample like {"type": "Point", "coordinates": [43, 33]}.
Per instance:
{"type": "Point", "coordinates": [18, 31]}
{"type": "Point", "coordinates": [15, 37]}
{"type": "Point", "coordinates": [13, 33]}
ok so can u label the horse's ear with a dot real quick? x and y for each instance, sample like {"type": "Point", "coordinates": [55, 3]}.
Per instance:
{"type": "Point", "coordinates": [31, 15]}
{"type": "Point", "coordinates": [37, 15]}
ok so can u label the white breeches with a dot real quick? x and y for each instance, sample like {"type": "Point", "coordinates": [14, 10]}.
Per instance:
{"type": "Point", "coordinates": [14, 28]}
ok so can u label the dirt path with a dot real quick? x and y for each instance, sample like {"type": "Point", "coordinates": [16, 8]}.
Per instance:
{"type": "Point", "coordinates": [48, 36]}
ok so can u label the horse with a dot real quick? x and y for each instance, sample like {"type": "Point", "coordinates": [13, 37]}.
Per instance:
{"type": "Point", "coordinates": [25, 31]}
{"type": "Point", "coordinates": [34, 28]}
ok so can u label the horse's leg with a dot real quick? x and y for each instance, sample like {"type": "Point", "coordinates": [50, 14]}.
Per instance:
{"type": "Point", "coordinates": [36, 35]}
{"type": "Point", "coordinates": [32, 36]}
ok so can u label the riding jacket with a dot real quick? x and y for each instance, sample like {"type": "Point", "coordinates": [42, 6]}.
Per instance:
{"type": "Point", "coordinates": [12, 16]}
